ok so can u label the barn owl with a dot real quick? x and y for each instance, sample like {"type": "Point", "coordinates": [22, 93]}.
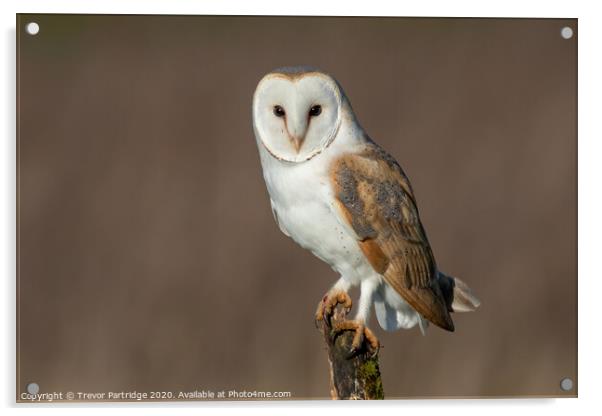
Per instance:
{"type": "Point", "coordinates": [337, 193]}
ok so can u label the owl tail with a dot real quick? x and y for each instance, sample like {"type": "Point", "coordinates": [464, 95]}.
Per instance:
{"type": "Point", "coordinates": [458, 295]}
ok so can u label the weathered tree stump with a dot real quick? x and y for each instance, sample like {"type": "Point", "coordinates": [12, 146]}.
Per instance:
{"type": "Point", "coordinates": [352, 376]}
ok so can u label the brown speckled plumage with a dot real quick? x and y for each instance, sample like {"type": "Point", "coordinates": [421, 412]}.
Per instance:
{"type": "Point", "coordinates": [375, 197]}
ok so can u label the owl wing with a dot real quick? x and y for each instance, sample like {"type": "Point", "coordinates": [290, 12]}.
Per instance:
{"type": "Point", "coordinates": [374, 197]}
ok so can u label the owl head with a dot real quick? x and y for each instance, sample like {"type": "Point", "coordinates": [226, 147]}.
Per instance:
{"type": "Point", "coordinates": [297, 112]}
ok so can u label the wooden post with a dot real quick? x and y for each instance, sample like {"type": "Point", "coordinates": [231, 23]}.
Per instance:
{"type": "Point", "coordinates": [352, 377]}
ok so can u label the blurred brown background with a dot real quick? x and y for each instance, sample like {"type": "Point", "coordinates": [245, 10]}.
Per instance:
{"type": "Point", "coordinates": [148, 256]}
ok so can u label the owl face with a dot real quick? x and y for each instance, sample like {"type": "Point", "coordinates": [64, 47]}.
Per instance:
{"type": "Point", "coordinates": [296, 115]}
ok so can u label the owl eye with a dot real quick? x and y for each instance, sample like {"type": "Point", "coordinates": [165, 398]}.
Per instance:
{"type": "Point", "coordinates": [279, 111]}
{"type": "Point", "coordinates": [315, 110]}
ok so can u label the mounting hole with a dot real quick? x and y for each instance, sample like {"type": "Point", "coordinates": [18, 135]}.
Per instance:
{"type": "Point", "coordinates": [32, 28]}
{"type": "Point", "coordinates": [566, 32]}
{"type": "Point", "coordinates": [566, 384]}
{"type": "Point", "coordinates": [33, 388]}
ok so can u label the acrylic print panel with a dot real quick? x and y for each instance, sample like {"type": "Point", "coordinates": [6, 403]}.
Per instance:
{"type": "Point", "coordinates": [150, 264]}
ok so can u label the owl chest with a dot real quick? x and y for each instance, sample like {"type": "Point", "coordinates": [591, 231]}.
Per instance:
{"type": "Point", "coordinates": [302, 203]}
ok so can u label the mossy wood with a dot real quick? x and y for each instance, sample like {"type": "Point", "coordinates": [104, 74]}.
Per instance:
{"type": "Point", "coordinates": [352, 376]}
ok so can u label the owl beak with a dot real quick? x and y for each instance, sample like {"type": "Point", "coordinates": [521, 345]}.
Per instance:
{"type": "Point", "coordinates": [296, 129]}
{"type": "Point", "coordinates": [297, 142]}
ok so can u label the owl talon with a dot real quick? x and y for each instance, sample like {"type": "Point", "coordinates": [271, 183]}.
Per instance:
{"type": "Point", "coordinates": [328, 304]}
{"type": "Point", "coordinates": [363, 337]}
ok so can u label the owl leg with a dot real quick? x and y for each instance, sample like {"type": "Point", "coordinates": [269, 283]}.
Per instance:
{"type": "Point", "coordinates": [335, 296]}
{"type": "Point", "coordinates": [362, 332]}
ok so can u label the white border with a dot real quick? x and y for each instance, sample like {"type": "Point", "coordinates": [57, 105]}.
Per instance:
{"type": "Point", "coordinates": [590, 193]}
